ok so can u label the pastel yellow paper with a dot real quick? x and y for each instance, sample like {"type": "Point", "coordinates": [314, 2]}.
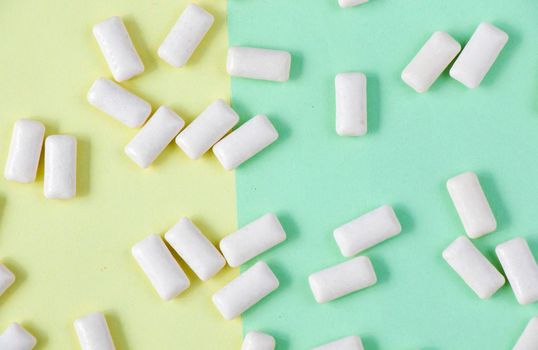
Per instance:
{"type": "Point", "coordinates": [73, 257]}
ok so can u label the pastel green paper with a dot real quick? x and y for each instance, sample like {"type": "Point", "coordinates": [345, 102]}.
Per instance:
{"type": "Point", "coordinates": [315, 180]}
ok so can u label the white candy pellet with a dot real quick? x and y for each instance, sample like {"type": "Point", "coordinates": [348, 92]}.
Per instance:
{"type": "Point", "coordinates": [351, 115]}
{"type": "Point", "coordinates": [520, 268]}
{"type": "Point", "coordinates": [7, 278]}
{"type": "Point", "coordinates": [253, 239]}
{"type": "Point", "coordinates": [209, 127]}
{"type": "Point", "coordinates": [471, 204]}
{"type": "Point", "coordinates": [258, 341]}
{"type": "Point", "coordinates": [159, 265]}
{"type": "Point", "coordinates": [350, 3]}
{"type": "Point", "coordinates": [243, 143]}
{"type": "Point", "coordinates": [118, 49]}
{"type": "Point", "coordinates": [339, 280]}
{"type": "Point", "coordinates": [153, 138]}
{"type": "Point", "coordinates": [348, 343]}
{"type": "Point", "coordinates": [478, 55]}
{"type": "Point", "coordinates": [60, 166]}
{"type": "Point", "coordinates": [529, 338]}
{"type": "Point", "coordinates": [245, 290]}
{"type": "Point", "coordinates": [24, 151]}
{"type": "Point", "coordinates": [93, 333]}
{"type": "Point", "coordinates": [367, 230]}
{"type": "Point", "coordinates": [473, 267]}
{"type": "Point", "coordinates": [254, 63]}
{"type": "Point", "coordinates": [195, 249]}
{"type": "Point", "coordinates": [15, 337]}
{"type": "Point", "coordinates": [430, 61]}
{"type": "Point", "coordinates": [185, 35]}
{"type": "Point", "coordinates": [119, 103]}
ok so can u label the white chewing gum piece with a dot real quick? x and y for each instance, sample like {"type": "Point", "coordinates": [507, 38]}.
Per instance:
{"type": "Point", "coordinates": [342, 279]}
{"type": "Point", "coordinates": [24, 151]}
{"type": "Point", "coordinates": [520, 269]}
{"type": "Point", "coordinates": [471, 204]}
{"type": "Point", "coordinates": [478, 55]}
{"type": "Point", "coordinates": [473, 267]}
{"type": "Point", "coordinates": [367, 230]}
{"type": "Point", "coordinates": [245, 290]}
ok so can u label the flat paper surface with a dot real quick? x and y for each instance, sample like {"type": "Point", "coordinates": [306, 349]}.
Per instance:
{"type": "Point", "coordinates": [73, 257]}
{"type": "Point", "coordinates": [315, 180]}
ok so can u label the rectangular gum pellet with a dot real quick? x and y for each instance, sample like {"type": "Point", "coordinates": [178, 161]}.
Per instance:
{"type": "Point", "coordinates": [367, 230]}
{"type": "Point", "coordinates": [471, 204]}
{"type": "Point", "coordinates": [348, 343]}
{"type": "Point", "coordinates": [195, 249]}
{"type": "Point", "coordinates": [430, 61]}
{"type": "Point", "coordinates": [7, 278]}
{"type": "Point", "coordinates": [153, 138]}
{"type": "Point", "coordinates": [339, 280]}
{"type": "Point", "coordinates": [24, 151]}
{"type": "Point", "coordinates": [255, 63]}
{"type": "Point", "coordinates": [245, 142]}
{"type": "Point", "coordinates": [473, 267]}
{"type": "Point", "coordinates": [529, 338]}
{"type": "Point", "coordinates": [15, 337]}
{"type": "Point", "coordinates": [93, 333]}
{"type": "Point", "coordinates": [478, 55]}
{"type": "Point", "coordinates": [185, 35]}
{"type": "Point", "coordinates": [118, 49]}
{"type": "Point", "coordinates": [351, 115]}
{"type": "Point", "coordinates": [520, 269]}
{"type": "Point", "coordinates": [253, 239]}
{"type": "Point", "coordinates": [119, 103]}
{"type": "Point", "coordinates": [60, 167]}
{"type": "Point", "coordinates": [350, 3]}
{"type": "Point", "coordinates": [258, 341]}
{"type": "Point", "coordinates": [208, 128]}
{"type": "Point", "coordinates": [245, 290]}
{"type": "Point", "coordinates": [160, 267]}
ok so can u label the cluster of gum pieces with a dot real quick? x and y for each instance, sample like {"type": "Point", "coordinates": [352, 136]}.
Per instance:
{"type": "Point", "coordinates": [209, 130]}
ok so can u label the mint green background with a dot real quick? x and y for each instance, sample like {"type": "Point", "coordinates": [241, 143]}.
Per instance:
{"type": "Point", "coordinates": [316, 180]}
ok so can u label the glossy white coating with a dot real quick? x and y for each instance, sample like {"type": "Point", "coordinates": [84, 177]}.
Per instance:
{"type": "Point", "coordinates": [350, 3]}
{"type": "Point", "coordinates": [262, 64]}
{"type": "Point", "coordinates": [367, 230]}
{"type": "Point", "coordinates": [7, 278]}
{"type": "Point", "coordinates": [60, 167]}
{"type": "Point", "coordinates": [15, 337]}
{"type": "Point", "coordinates": [195, 249]}
{"type": "Point", "coordinates": [471, 204]}
{"type": "Point", "coordinates": [529, 338]}
{"type": "Point", "coordinates": [114, 100]}
{"type": "Point", "coordinates": [118, 49]}
{"type": "Point", "coordinates": [348, 343]}
{"type": "Point", "coordinates": [185, 35]}
{"type": "Point", "coordinates": [430, 61]}
{"type": "Point", "coordinates": [245, 142]}
{"type": "Point", "coordinates": [252, 239]}
{"type": "Point", "coordinates": [160, 267]}
{"type": "Point", "coordinates": [351, 111]}
{"type": "Point", "coordinates": [478, 55]}
{"type": "Point", "coordinates": [24, 151]}
{"type": "Point", "coordinates": [520, 269]}
{"type": "Point", "coordinates": [341, 279]}
{"type": "Point", "coordinates": [473, 267]}
{"type": "Point", "coordinates": [93, 333]}
{"type": "Point", "coordinates": [245, 290]}
{"type": "Point", "coordinates": [258, 341]}
{"type": "Point", "coordinates": [209, 127]}
{"type": "Point", "coordinates": [153, 138]}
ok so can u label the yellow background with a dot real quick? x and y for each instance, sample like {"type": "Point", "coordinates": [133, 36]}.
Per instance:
{"type": "Point", "coordinates": [73, 257]}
